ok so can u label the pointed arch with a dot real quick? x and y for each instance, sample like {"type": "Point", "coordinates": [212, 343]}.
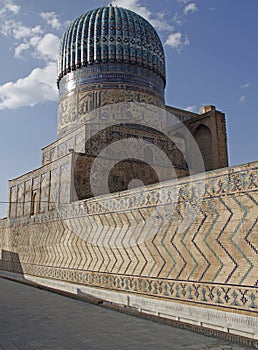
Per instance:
{"type": "Point", "coordinates": [202, 135]}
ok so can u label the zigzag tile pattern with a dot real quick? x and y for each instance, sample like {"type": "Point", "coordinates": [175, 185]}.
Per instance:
{"type": "Point", "coordinates": [202, 252]}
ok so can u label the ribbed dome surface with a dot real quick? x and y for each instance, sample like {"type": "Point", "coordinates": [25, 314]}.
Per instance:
{"type": "Point", "coordinates": [110, 34]}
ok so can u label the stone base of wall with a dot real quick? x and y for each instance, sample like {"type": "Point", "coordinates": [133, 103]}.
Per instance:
{"type": "Point", "coordinates": [227, 325]}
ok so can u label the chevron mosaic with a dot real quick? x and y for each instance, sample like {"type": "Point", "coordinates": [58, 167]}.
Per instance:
{"type": "Point", "coordinates": [139, 243]}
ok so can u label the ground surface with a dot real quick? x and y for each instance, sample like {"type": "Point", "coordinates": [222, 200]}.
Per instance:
{"type": "Point", "coordinates": [31, 318]}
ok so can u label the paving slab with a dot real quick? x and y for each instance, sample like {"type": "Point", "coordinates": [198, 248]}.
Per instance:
{"type": "Point", "coordinates": [32, 318]}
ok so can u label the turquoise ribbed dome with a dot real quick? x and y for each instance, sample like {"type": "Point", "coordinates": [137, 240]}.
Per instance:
{"type": "Point", "coordinates": [109, 35]}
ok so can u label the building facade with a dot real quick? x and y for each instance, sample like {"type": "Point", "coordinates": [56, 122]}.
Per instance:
{"type": "Point", "coordinates": [183, 248]}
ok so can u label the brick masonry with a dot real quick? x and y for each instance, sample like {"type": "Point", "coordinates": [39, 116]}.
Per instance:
{"type": "Point", "coordinates": [201, 253]}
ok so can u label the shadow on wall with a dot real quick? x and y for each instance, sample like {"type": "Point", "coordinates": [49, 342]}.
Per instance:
{"type": "Point", "coordinates": [88, 297]}
{"type": "Point", "coordinates": [10, 262]}
{"type": "Point", "coordinates": [120, 304]}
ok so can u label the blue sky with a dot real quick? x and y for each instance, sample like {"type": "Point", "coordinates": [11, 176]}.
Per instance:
{"type": "Point", "coordinates": [211, 55]}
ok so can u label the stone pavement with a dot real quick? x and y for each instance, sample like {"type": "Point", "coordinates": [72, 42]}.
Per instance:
{"type": "Point", "coordinates": [32, 318]}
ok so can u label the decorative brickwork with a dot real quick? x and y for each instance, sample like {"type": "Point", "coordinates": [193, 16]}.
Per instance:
{"type": "Point", "coordinates": [211, 261]}
{"type": "Point", "coordinates": [74, 106]}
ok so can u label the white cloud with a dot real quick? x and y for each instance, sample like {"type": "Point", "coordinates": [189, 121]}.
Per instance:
{"type": "Point", "coordinates": [39, 86]}
{"type": "Point", "coordinates": [46, 47]}
{"type": "Point", "coordinates": [160, 23]}
{"type": "Point", "coordinates": [51, 19]}
{"type": "Point", "coordinates": [133, 5]}
{"type": "Point", "coordinates": [12, 7]}
{"type": "Point", "coordinates": [190, 8]}
{"type": "Point", "coordinates": [242, 99]}
{"type": "Point", "coordinates": [20, 49]}
{"type": "Point", "coordinates": [177, 41]}
{"type": "Point", "coordinates": [11, 27]}
{"type": "Point", "coordinates": [178, 19]}
{"type": "Point", "coordinates": [20, 31]}
{"type": "Point", "coordinates": [191, 109]}
{"type": "Point", "coordinates": [9, 6]}
{"type": "Point", "coordinates": [17, 30]}
{"type": "Point", "coordinates": [245, 85]}
{"type": "Point", "coordinates": [43, 45]}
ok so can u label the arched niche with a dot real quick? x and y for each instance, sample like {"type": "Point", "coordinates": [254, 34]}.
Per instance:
{"type": "Point", "coordinates": [202, 136]}
{"type": "Point", "coordinates": [34, 200]}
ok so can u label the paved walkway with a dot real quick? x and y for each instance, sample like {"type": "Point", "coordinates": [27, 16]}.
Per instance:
{"type": "Point", "coordinates": [32, 318]}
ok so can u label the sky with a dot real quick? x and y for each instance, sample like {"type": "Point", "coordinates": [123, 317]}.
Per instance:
{"type": "Point", "coordinates": [211, 50]}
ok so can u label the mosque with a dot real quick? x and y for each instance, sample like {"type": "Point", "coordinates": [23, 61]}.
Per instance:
{"type": "Point", "coordinates": [110, 56]}
{"type": "Point", "coordinates": [135, 246]}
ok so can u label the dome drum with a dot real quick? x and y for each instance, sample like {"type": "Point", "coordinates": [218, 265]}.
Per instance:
{"type": "Point", "coordinates": [95, 86]}
{"type": "Point", "coordinates": [112, 73]}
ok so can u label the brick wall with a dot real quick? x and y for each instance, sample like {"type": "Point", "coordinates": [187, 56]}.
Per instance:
{"type": "Point", "coordinates": [159, 243]}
